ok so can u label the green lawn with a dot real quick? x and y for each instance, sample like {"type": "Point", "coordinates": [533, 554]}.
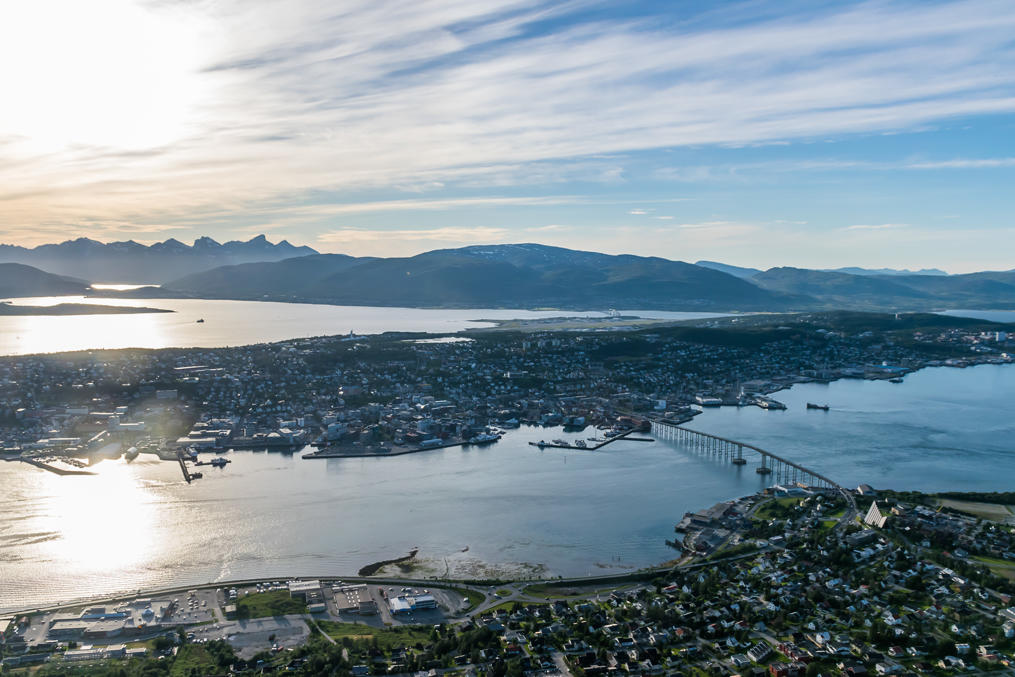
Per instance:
{"type": "Point", "coordinates": [387, 638]}
{"type": "Point", "coordinates": [777, 508]}
{"type": "Point", "coordinates": [993, 560]}
{"type": "Point", "coordinates": [475, 598]}
{"type": "Point", "coordinates": [272, 603]}
{"type": "Point", "coordinates": [194, 659]}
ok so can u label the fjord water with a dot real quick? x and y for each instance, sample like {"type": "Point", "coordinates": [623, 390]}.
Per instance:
{"type": "Point", "coordinates": [518, 509]}
{"type": "Point", "coordinates": [235, 323]}
{"type": "Point", "coordinates": [941, 429]}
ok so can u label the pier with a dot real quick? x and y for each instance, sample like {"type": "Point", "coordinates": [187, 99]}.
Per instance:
{"type": "Point", "coordinates": [593, 447]}
{"type": "Point", "coordinates": [781, 470]}
{"type": "Point", "coordinates": [54, 469]}
{"type": "Point", "coordinates": [183, 466]}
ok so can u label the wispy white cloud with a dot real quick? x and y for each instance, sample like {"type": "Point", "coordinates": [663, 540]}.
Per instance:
{"type": "Point", "coordinates": [980, 163]}
{"type": "Point", "coordinates": [269, 101]}
{"type": "Point", "coordinates": [878, 226]}
{"type": "Point", "coordinates": [449, 234]}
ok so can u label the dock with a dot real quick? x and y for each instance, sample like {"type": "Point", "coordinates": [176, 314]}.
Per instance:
{"type": "Point", "coordinates": [600, 445]}
{"type": "Point", "coordinates": [183, 466]}
{"type": "Point", "coordinates": [53, 469]}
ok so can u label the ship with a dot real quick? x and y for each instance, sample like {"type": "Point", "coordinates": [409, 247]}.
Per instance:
{"type": "Point", "coordinates": [219, 462]}
{"type": "Point", "coordinates": [822, 407]}
{"type": "Point", "coordinates": [896, 379]}
{"type": "Point", "coordinates": [763, 470]}
{"type": "Point", "coordinates": [484, 438]}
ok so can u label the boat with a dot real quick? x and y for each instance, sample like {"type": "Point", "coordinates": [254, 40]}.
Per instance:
{"type": "Point", "coordinates": [562, 443]}
{"type": "Point", "coordinates": [219, 462]}
{"type": "Point", "coordinates": [822, 407]}
{"type": "Point", "coordinates": [484, 438]}
{"type": "Point", "coordinates": [896, 379]}
{"type": "Point", "coordinates": [131, 453]}
{"type": "Point", "coordinates": [200, 320]}
{"type": "Point", "coordinates": [580, 444]}
{"type": "Point", "coordinates": [763, 470]}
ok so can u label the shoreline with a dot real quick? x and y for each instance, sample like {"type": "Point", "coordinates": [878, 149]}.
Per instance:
{"type": "Point", "coordinates": [632, 571]}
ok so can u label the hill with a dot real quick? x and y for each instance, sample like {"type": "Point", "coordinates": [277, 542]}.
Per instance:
{"type": "Point", "coordinates": [986, 290]}
{"type": "Point", "coordinates": [20, 280]}
{"type": "Point", "coordinates": [736, 271]}
{"type": "Point", "coordinates": [519, 276]}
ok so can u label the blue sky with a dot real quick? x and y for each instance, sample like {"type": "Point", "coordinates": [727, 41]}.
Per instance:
{"type": "Point", "coordinates": [758, 133]}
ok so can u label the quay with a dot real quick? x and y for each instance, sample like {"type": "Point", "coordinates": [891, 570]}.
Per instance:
{"type": "Point", "coordinates": [53, 469]}
{"type": "Point", "coordinates": [380, 452]}
{"type": "Point", "coordinates": [600, 445]}
{"type": "Point", "coordinates": [183, 466]}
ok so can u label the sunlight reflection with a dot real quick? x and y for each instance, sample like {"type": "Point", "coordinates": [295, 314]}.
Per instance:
{"type": "Point", "coordinates": [40, 334]}
{"type": "Point", "coordinates": [105, 522]}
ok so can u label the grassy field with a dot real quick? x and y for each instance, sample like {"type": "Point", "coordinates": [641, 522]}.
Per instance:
{"type": "Point", "coordinates": [194, 659]}
{"type": "Point", "coordinates": [994, 512]}
{"type": "Point", "coordinates": [993, 560]}
{"type": "Point", "coordinates": [776, 508]}
{"type": "Point", "coordinates": [272, 603]}
{"type": "Point", "coordinates": [387, 638]}
{"type": "Point", "coordinates": [475, 598]}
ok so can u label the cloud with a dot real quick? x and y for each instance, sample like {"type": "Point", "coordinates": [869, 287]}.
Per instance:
{"type": "Point", "coordinates": [477, 234]}
{"type": "Point", "coordinates": [983, 163]}
{"type": "Point", "coordinates": [879, 226]}
{"type": "Point", "coordinates": [254, 102]}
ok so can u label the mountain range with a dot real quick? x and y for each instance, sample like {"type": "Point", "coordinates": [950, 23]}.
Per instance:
{"type": "Point", "coordinates": [121, 262]}
{"type": "Point", "coordinates": [515, 275]}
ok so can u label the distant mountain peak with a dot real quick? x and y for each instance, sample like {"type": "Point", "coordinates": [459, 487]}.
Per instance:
{"type": "Point", "coordinates": [131, 262]}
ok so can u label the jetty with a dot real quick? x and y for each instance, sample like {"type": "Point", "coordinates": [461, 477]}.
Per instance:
{"type": "Point", "coordinates": [54, 469]}
{"type": "Point", "coordinates": [542, 444]}
{"type": "Point", "coordinates": [183, 466]}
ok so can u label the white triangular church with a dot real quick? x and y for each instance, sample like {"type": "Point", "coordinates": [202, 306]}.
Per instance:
{"type": "Point", "coordinates": [874, 516]}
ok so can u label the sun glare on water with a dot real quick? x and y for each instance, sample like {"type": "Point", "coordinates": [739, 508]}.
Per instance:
{"type": "Point", "coordinates": [102, 523]}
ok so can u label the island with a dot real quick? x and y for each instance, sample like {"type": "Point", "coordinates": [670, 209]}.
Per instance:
{"type": "Point", "coordinates": [76, 309]}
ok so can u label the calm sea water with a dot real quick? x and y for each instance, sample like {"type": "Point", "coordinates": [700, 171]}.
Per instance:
{"type": "Point", "coordinates": [517, 509]}
{"type": "Point", "coordinates": [233, 323]}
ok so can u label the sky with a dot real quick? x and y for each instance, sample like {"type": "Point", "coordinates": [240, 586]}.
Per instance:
{"type": "Point", "coordinates": [813, 134]}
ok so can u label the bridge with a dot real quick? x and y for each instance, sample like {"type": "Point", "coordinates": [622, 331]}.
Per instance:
{"type": "Point", "coordinates": [779, 469]}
